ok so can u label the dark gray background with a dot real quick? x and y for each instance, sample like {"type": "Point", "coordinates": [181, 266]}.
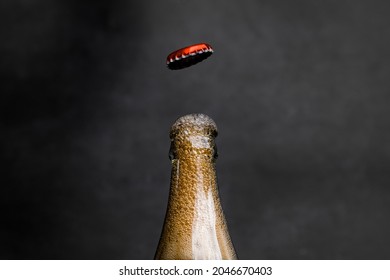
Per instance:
{"type": "Point", "coordinates": [299, 91]}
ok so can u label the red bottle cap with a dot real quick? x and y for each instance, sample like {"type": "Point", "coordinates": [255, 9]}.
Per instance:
{"type": "Point", "coordinates": [188, 56]}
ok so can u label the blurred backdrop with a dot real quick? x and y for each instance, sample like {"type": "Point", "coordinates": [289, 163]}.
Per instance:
{"type": "Point", "coordinates": [299, 91]}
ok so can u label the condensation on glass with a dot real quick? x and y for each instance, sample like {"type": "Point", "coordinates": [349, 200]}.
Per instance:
{"type": "Point", "coordinates": [195, 225]}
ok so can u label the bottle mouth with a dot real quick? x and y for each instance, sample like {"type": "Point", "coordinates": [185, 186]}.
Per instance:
{"type": "Point", "coordinates": [194, 124]}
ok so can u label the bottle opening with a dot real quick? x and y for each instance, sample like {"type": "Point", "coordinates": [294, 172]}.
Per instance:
{"type": "Point", "coordinates": [193, 124]}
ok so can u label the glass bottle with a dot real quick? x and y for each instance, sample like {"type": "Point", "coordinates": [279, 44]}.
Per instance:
{"type": "Point", "coordinates": [194, 226]}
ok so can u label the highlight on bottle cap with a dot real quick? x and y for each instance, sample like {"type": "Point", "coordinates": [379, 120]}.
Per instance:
{"type": "Point", "coordinates": [188, 56]}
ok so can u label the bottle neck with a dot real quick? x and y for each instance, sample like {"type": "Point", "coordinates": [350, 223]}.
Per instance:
{"type": "Point", "coordinates": [194, 223]}
{"type": "Point", "coordinates": [193, 177]}
{"type": "Point", "coordinates": [195, 226]}
{"type": "Point", "coordinates": [204, 205]}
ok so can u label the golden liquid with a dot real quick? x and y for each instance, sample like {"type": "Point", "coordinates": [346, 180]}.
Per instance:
{"type": "Point", "coordinates": [195, 226]}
